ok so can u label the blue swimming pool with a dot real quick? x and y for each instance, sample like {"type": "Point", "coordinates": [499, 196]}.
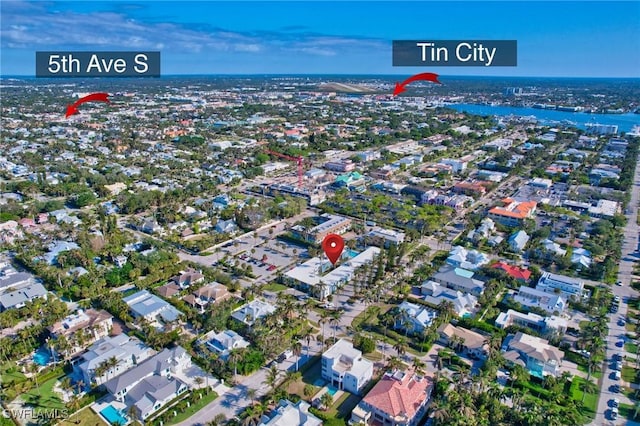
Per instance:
{"type": "Point", "coordinates": [331, 390]}
{"type": "Point", "coordinates": [113, 416]}
{"type": "Point", "coordinates": [352, 253]}
{"type": "Point", "coordinates": [42, 357]}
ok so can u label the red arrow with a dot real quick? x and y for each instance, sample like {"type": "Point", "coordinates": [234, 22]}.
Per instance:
{"type": "Point", "coordinates": [94, 97]}
{"type": "Point", "coordinates": [426, 76]}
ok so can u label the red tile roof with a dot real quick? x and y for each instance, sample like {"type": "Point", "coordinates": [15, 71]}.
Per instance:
{"type": "Point", "coordinates": [514, 209]}
{"type": "Point", "coordinates": [400, 397]}
{"type": "Point", "coordinates": [514, 271]}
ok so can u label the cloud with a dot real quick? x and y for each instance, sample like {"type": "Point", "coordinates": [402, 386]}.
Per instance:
{"type": "Point", "coordinates": [32, 26]}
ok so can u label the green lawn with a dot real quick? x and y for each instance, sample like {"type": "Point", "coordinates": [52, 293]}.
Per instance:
{"type": "Point", "coordinates": [43, 397]}
{"type": "Point", "coordinates": [629, 374]}
{"type": "Point", "coordinates": [275, 287]}
{"type": "Point", "coordinates": [626, 411]}
{"type": "Point", "coordinates": [590, 400]}
{"type": "Point", "coordinates": [190, 411]}
{"type": "Point", "coordinates": [632, 348]}
{"type": "Point", "coordinates": [84, 417]}
{"type": "Point", "coordinates": [595, 374]}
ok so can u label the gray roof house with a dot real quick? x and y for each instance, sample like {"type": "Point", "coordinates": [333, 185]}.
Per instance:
{"type": "Point", "coordinates": [151, 307]}
{"type": "Point", "coordinates": [128, 351]}
{"type": "Point", "coordinates": [252, 311]}
{"type": "Point", "coordinates": [10, 278]}
{"type": "Point", "coordinates": [458, 279]}
{"type": "Point", "coordinates": [18, 297]}
{"type": "Point", "coordinates": [151, 384]}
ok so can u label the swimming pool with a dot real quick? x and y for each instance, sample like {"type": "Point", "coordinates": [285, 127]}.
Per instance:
{"type": "Point", "coordinates": [113, 416]}
{"type": "Point", "coordinates": [352, 253]}
{"type": "Point", "coordinates": [42, 357]}
{"type": "Point", "coordinates": [331, 390]}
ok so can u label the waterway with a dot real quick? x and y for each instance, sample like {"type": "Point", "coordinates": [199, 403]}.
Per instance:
{"type": "Point", "coordinates": [624, 121]}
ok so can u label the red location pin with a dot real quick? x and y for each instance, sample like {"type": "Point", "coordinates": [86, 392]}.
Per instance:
{"type": "Point", "coordinates": [333, 245]}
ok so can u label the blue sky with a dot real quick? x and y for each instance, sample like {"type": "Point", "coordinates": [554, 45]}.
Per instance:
{"type": "Point", "coordinates": [565, 39]}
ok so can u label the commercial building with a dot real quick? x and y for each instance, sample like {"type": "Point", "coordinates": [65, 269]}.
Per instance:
{"type": "Point", "coordinates": [309, 276]}
{"type": "Point", "coordinates": [512, 213]}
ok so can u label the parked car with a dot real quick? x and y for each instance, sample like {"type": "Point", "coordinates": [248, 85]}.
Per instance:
{"type": "Point", "coordinates": [614, 413]}
{"type": "Point", "coordinates": [620, 343]}
{"type": "Point", "coordinates": [617, 366]}
{"type": "Point", "coordinates": [614, 402]}
{"type": "Point", "coordinates": [618, 282]}
{"type": "Point", "coordinates": [615, 388]}
{"type": "Point", "coordinates": [621, 322]}
{"type": "Point", "coordinates": [616, 375]}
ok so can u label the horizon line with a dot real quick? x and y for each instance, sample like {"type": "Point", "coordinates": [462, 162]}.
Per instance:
{"type": "Point", "coordinates": [32, 76]}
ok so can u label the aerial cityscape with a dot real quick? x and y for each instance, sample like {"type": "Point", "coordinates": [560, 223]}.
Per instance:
{"type": "Point", "coordinates": [273, 233]}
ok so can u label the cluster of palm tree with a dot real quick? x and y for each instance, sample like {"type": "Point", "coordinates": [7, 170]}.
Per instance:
{"type": "Point", "coordinates": [104, 368]}
{"type": "Point", "coordinates": [478, 400]}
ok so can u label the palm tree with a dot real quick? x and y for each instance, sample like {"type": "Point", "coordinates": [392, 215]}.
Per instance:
{"type": "Point", "coordinates": [308, 336]}
{"type": "Point", "coordinates": [297, 350]}
{"type": "Point", "coordinates": [440, 412]}
{"type": "Point", "coordinates": [198, 381]}
{"type": "Point", "coordinates": [326, 400]}
{"type": "Point", "coordinates": [400, 347]}
{"type": "Point", "coordinates": [75, 406]}
{"type": "Point", "coordinates": [132, 412]}
{"type": "Point", "coordinates": [33, 369]}
{"type": "Point", "coordinates": [587, 386]}
{"type": "Point", "coordinates": [418, 365]}
{"type": "Point", "coordinates": [234, 357]}
{"type": "Point", "coordinates": [272, 377]}
{"type": "Point", "coordinates": [251, 394]}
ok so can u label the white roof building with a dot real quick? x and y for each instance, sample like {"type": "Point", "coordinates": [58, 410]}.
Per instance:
{"type": "Point", "coordinates": [308, 275]}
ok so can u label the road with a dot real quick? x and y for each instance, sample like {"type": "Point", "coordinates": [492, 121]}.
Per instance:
{"type": "Point", "coordinates": [235, 400]}
{"type": "Point", "coordinates": [629, 252]}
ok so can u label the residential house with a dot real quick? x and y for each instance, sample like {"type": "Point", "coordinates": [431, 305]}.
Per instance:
{"type": "Point", "coordinates": [151, 226]}
{"type": "Point", "coordinates": [187, 278]}
{"type": "Point", "coordinates": [513, 213]}
{"type": "Point", "coordinates": [486, 228]}
{"type": "Point", "coordinates": [124, 351]}
{"type": "Point", "coordinates": [93, 324]}
{"type": "Point", "coordinates": [473, 344]}
{"type": "Point", "coordinates": [57, 247]}
{"type": "Point", "coordinates": [517, 272]}
{"type": "Point", "coordinates": [345, 368]}
{"type": "Point", "coordinates": [518, 241]}
{"type": "Point", "coordinates": [582, 257]}
{"type": "Point", "coordinates": [18, 297]}
{"type": "Point", "coordinates": [534, 298]}
{"type": "Point", "coordinates": [288, 414]}
{"type": "Point", "coordinates": [11, 278]}
{"type": "Point", "coordinates": [414, 318]}
{"type": "Point", "coordinates": [460, 257]}
{"type": "Point", "coordinates": [226, 226]}
{"type": "Point", "coordinates": [153, 383]}
{"type": "Point", "coordinates": [545, 325]}
{"type": "Point", "coordinates": [568, 286]}
{"type": "Point", "coordinates": [553, 248]}
{"type": "Point", "coordinates": [168, 290]}
{"type": "Point", "coordinates": [252, 311]}
{"type": "Point", "coordinates": [224, 342]}
{"type": "Point", "coordinates": [151, 307]}
{"type": "Point", "coordinates": [533, 353]}
{"type": "Point", "coordinates": [399, 399]}
{"type": "Point", "coordinates": [206, 295]}
{"type": "Point", "coordinates": [435, 294]}
{"type": "Point", "coordinates": [459, 279]}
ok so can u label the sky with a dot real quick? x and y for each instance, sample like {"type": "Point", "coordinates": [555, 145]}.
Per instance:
{"type": "Point", "coordinates": [555, 39]}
